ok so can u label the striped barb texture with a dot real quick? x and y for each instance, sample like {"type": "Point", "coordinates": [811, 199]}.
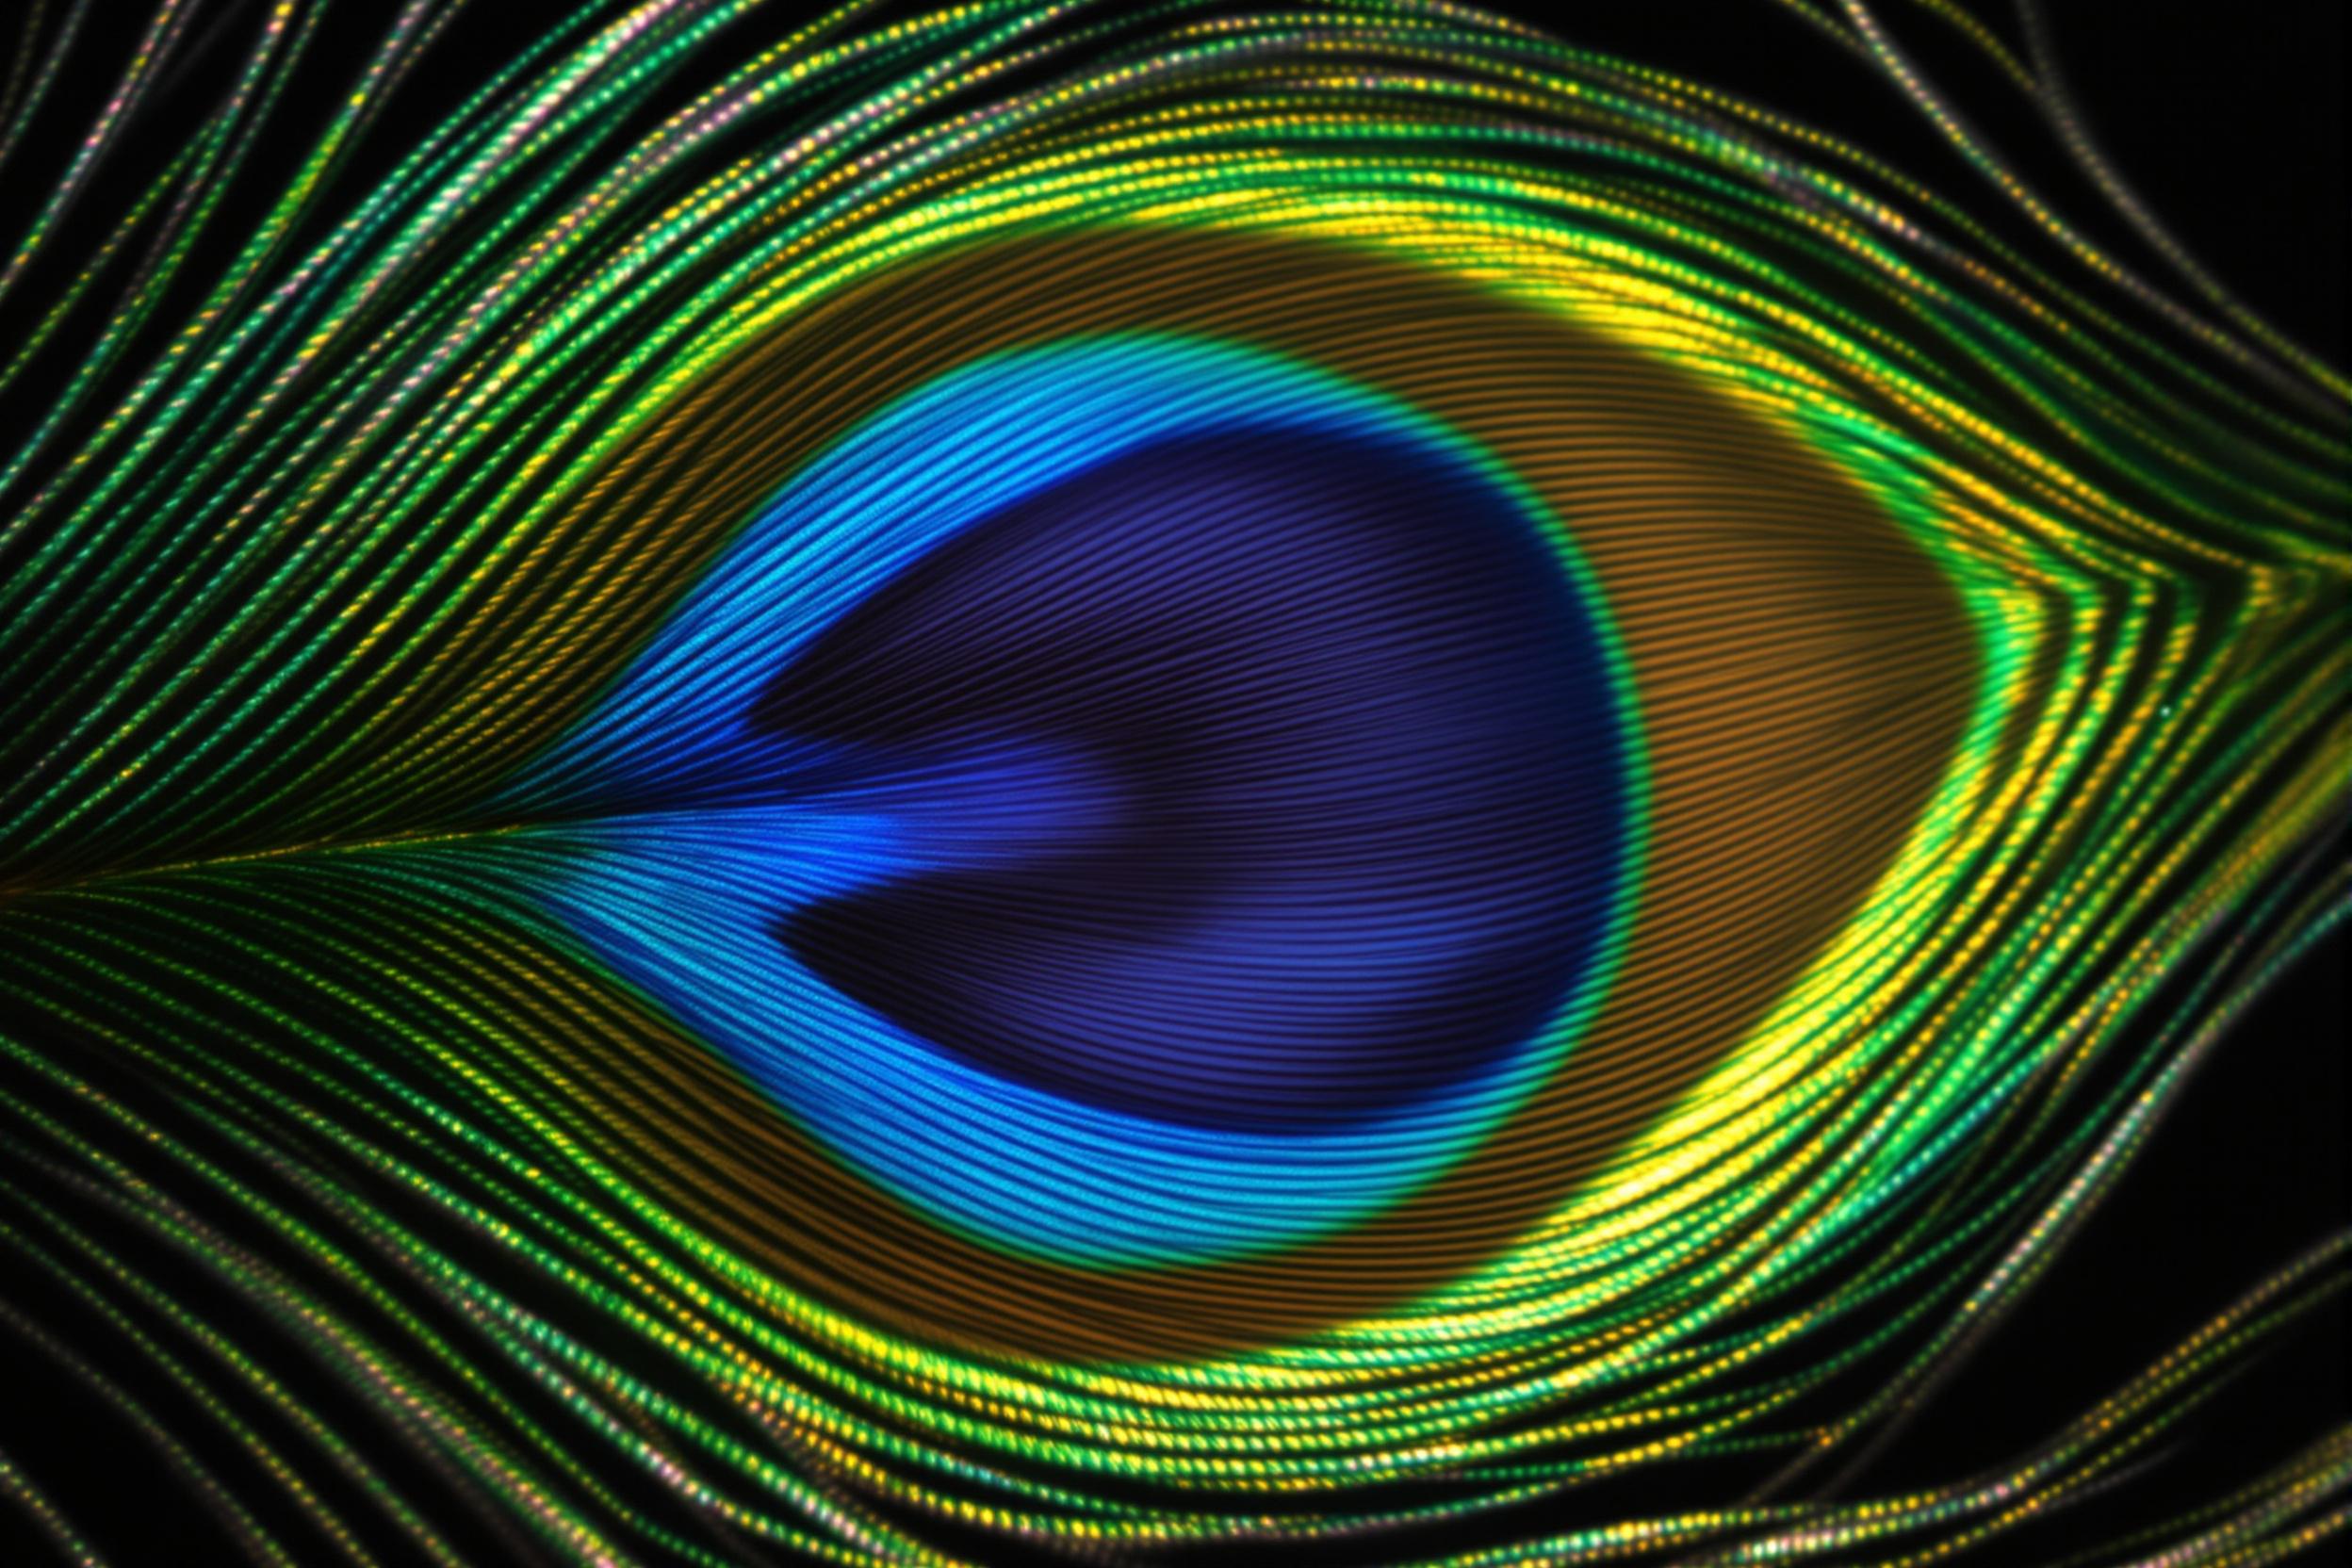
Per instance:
{"type": "Point", "coordinates": [942, 783]}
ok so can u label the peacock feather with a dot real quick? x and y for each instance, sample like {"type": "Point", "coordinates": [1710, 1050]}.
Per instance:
{"type": "Point", "coordinates": [950, 781]}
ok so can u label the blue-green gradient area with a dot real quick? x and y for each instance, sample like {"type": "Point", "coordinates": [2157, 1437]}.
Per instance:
{"type": "Point", "coordinates": [1141, 800]}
